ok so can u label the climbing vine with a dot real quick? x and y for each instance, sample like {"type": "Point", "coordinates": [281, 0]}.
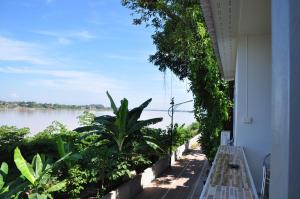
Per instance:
{"type": "Point", "coordinates": [183, 45]}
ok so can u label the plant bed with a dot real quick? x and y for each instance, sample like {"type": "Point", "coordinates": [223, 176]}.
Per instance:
{"type": "Point", "coordinates": [131, 188]}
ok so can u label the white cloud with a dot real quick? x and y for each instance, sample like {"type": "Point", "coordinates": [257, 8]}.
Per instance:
{"type": "Point", "coordinates": [134, 56]}
{"type": "Point", "coordinates": [63, 41]}
{"type": "Point", "coordinates": [76, 86]}
{"type": "Point", "coordinates": [96, 22]}
{"type": "Point", "coordinates": [53, 73]}
{"type": "Point", "coordinates": [49, 1]}
{"type": "Point", "coordinates": [84, 34]}
{"type": "Point", "coordinates": [63, 36]}
{"type": "Point", "coordinates": [69, 79]}
{"type": "Point", "coordinates": [126, 57]}
{"type": "Point", "coordinates": [15, 50]}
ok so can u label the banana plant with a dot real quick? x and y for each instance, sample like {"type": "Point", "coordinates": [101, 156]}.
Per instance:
{"type": "Point", "coordinates": [65, 148]}
{"type": "Point", "coordinates": [39, 183]}
{"type": "Point", "coordinates": [10, 189]}
{"type": "Point", "coordinates": [124, 127]}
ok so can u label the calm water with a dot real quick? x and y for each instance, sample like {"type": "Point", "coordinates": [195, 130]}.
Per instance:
{"type": "Point", "coordinates": [38, 120]}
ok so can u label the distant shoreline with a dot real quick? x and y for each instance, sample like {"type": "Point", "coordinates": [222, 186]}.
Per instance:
{"type": "Point", "coordinates": [32, 106]}
{"type": "Point", "coordinates": [4, 105]}
{"type": "Point", "coordinates": [78, 109]}
{"type": "Point", "coordinates": [54, 109]}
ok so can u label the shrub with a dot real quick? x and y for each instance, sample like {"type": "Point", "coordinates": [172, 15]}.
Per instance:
{"type": "Point", "coordinates": [10, 137]}
{"type": "Point", "coordinates": [183, 133]}
{"type": "Point", "coordinates": [76, 181]}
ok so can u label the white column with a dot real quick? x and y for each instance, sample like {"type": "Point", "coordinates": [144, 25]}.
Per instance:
{"type": "Point", "coordinates": [285, 160]}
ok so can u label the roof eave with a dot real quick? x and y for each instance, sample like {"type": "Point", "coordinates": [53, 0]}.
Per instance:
{"type": "Point", "coordinates": [207, 13]}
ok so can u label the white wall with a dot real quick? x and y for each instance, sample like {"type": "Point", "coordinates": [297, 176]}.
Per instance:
{"type": "Point", "coordinates": [252, 119]}
{"type": "Point", "coordinates": [285, 160]}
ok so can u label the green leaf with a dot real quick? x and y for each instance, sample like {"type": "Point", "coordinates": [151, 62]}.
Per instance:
{"type": "Point", "coordinates": [4, 190]}
{"type": "Point", "coordinates": [105, 119]}
{"type": "Point", "coordinates": [38, 166]}
{"type": "Point", "coordinates": [122, 115]}
{"type": "Point", "coordinates": [61, 159]}
{"type": "Point", "coordinates": [57, 187]}
{"type": "Point", "coordinates": [3, 174]}
{"type": "Point", "coordinates": [15, 188]}
{"type": "Point", "coordinates": [112, 103]}
{"type": "Point", "coordinates": [135, 113]}
{"type": "Point", "coordinates": [60, 146]}
{"type": "Point", "coordinates": [25, 168]}
{"type": "Point", "coordinates": [86, 128]}
{"type": "Point", "coordinates": [154, 145]}
{"type": "Point", "coordinates": [4, 168]}
{"type": "Point", "coordinates": [37, 196]}
{"type": "Point", "coordinates": [144, 123]}
{"type": "Point", "coordinates": [1, 182]}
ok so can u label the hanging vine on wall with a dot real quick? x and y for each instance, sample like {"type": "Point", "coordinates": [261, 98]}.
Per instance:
{"type": "Point", "coordinates": [184, 46]}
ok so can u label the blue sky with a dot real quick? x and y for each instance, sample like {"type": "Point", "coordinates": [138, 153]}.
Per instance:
{"type": "Point", "coordinates": [72, 51]}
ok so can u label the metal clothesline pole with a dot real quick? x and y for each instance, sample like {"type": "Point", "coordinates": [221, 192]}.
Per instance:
{"type": "Point", "coordinates": [171, 132]}
{"type": "Point", "coordinates": [171, 114]}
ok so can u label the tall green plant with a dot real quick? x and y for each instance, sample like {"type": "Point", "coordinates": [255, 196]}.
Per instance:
{"type": "Point", "coordinates": [124, 127]}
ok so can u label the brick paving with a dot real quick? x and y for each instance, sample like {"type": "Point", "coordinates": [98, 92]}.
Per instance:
{"type": "Point", "coordinates": [184, 180]}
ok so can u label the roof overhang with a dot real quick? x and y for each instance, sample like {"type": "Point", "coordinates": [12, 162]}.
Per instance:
{"type": "Point", "coordinates": [227, 20]}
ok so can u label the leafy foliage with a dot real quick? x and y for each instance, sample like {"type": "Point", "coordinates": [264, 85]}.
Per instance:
{"type": "Point", "coordinates": [40, 183]}
{"type": "Point", "coordinates": [77, 180]}
{"type": "Point", "coordinates": [184, 46]}
{"type": "Point", "coordinates": [183, 133]}
{"type": "Point", "coordinates": [3, 175]}
{"type": "Point", "coordinates": [90, 161]}
{"type": "Point", "coordinates": [119, 138]}
{"type": "Point", "coordinates": [86, 118]}
{"type": "Point", "coordinates": [65, 148]}
{"type": "Point", "coordinates": [123, 128]}
{"type": "Point", "coordinates": [36, 180]}
{"type": "Point", "coordinates": [10, 137]}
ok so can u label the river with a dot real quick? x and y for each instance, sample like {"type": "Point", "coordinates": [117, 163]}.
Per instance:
{"type": "Point", "coordinates": [38, 119]}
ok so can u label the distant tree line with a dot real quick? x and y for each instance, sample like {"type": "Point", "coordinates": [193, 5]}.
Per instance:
{"type": "Point", "coordinates": [23, 104]}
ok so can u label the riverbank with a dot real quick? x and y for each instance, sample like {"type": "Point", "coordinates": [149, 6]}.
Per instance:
{"type": "Point", "coordinates": [50, 106]}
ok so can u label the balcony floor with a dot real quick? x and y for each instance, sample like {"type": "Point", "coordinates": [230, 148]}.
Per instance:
{"type": "Point", "coordinates": [183, 181]}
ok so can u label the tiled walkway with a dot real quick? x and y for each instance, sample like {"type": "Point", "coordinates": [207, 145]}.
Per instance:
{"type": "Point", "coordinates": [183, 181]}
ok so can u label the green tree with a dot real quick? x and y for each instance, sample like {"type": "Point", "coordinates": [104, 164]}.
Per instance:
{"type": "Point", "coordinates": [184, 46]}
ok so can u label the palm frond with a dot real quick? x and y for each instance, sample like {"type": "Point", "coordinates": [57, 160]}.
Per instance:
{"type": "Point", "coordinates": [112, 103]}
{"type": "Point", "coordinates": [135, 113]}
{"type": "Point", "coordinates": [144, 123]}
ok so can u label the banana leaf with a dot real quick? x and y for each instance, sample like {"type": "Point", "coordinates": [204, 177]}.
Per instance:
{"type": "Point", "coordinates": [25, 168]}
